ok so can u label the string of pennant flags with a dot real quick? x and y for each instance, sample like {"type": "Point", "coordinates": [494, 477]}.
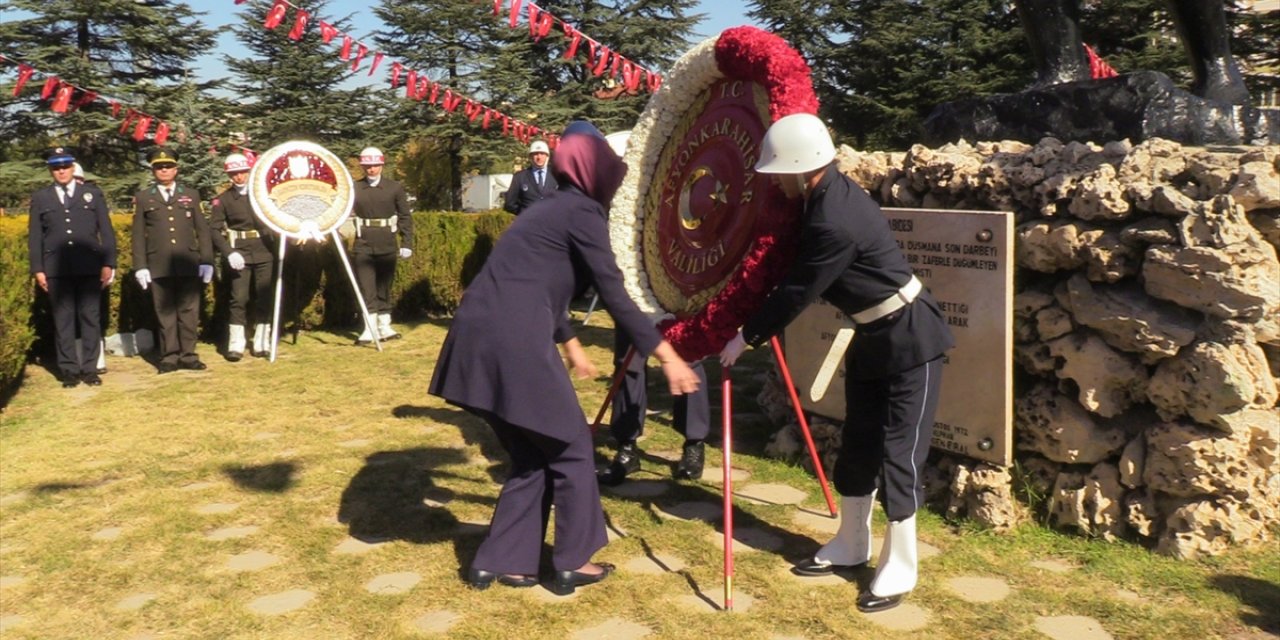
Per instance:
{"type": "Point", "coordinates": [65, 97]}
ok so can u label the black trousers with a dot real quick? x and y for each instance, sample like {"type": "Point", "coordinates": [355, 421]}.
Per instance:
{"type": "Point", "coordinates": [887, 428]}
{"type": "Point", "coordinates": [177, 304]}
{"type": "Point", "coordinates": [374, 273]}
{"type": "Point", "coordinates": [74, 301]}
{"type": "Point", "coordinates": [544, 471]}
{"type": "Point", "coordinates": [253, 282]}
{"type": "Point", "coordinates": [690, 413]}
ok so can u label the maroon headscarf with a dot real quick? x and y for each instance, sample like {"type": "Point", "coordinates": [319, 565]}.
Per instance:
{"type": "Point", "coordinates": [585, 160]}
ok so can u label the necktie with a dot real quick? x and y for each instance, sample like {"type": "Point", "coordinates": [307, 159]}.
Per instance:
{"type": "Point", "coordinates": [164, 191]}
{"type": "Point", "coordinates": [65, 194]}
{"type": "Point", "coordinates": [538, 175]}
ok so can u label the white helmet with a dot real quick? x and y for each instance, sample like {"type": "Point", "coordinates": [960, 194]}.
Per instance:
{"type": "Point", "coordinates": [236, 163]}
{"type": "Point", "coordinates": [372, 156]}
{"type": "Point", "coordinates": [539, 146]}
{"type": "Point", "coordinates": [797, 143]}
{"type": "Point", "coordinates": [618, 142]}
{"type": "Point", "coordinates": [77, 171]}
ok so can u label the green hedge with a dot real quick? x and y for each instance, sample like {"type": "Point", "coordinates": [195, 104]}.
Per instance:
{"type": "Point", "coordinates": [449, 249]}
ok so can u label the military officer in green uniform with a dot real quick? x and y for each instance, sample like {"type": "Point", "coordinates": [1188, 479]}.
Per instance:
{"type": "Point", "coordinates": [245, 243]}
{"type": "Point", "coordinates": [173, 257]}
{"type": "Point", "coordinates": [381, 213]}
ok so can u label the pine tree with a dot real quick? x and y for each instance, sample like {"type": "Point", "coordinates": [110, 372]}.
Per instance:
{"type": "Point", "coordinates": [135, 51]}
{"type": "Point", "coordinates": [294, 90]}
{"type": "Point", "coordinates": [465, 47]}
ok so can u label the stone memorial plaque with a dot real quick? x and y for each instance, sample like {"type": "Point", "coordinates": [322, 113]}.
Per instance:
{"type": "Point", "coordinates": [965, 258]}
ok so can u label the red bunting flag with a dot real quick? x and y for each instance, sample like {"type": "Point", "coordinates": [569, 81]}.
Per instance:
{"type": "Point", "coordinates": [275, 15]}
{"type": "Point", "coordinates": [497, 7]}
{"type": "Point", "coordinates": [140, 132]}
{"type": "Point", "coordinates": [162, 133]}
{"type": "Point", "coordinates": [545, 21]}
{"type": "Point", "coordinates": [451, 100]}
{"type": "Point", "coordinates": [85, 99]}
{"type": "Point", "coordinates": [115, 108]}
{"type": "Point", "coordinates": [488, 113]}
{"type": "Point", "coordinates": [377, 60]}
{"type": "Point", "coordinates": [653, 80]}
{"type": "Point", "coordinates": [411, 84]}
{"type": "Point", "coordinates": [63, 98]}
{"type": "Point", "coordinates": [346, 47]}
{"type": "Point", "coordinates": [435, 93]}
{"type": "Point", "coordinates": [327, 31]}
{"type": "Point", "coordinates": [50, 84]}
{"type": "Point", "coordinates": [361, 51]}
{"type": "Point", "coordinates": [396, 68]}
{"type": "Point", "coordinates": [574, 37]}
{"type": "Point", "coordinates": [515, 13]}
{"type": "Point", "coordinates": [128, 119]}
{"type": "Point", "coordinates": [299, 25]}
{"type": "Point", "coordinates": [24, 74]}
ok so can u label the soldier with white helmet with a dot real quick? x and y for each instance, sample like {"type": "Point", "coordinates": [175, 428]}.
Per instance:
{"type": "Point", "coordinates": [533, 184]}
{"type": "Point", "coordinates": [247, 246]}
{"type": "Point", "coordinates": [848, 256]}
{"type": "Point", "coordinates": [381, 214]}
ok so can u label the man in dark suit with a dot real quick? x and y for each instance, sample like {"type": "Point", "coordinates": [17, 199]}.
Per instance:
{"type": "Point", "coordinates": [245, 242]}
{"type": "Point", "coordinates": [533, 184]}
{"type": "Point", "coordinates": [73, 258]}
{"type": "Point", "coordinates": [849, 257]}
{"type": "Point", "coordinates": [381, 212]}
{"type": "Point", "coordinates": [172, 256]}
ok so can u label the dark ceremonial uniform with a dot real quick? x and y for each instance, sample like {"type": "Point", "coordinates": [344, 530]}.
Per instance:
{"type": "Point", "coordinates": [171, 238]}
{"type": "Point", "coordinates": [236, 228]}
{"type": "Point", "coordinates": [849, 257]}
{"type": "Point", "coordinates": [525, 189]}
{"type": "Point", "coordinates": [690, 413]}
{"type": "Point", "coordinates": [70, 242]}
{"type": "Point", "coordinates": [381, 213]}
{"type": "Point", "coordinates": [500, 360]}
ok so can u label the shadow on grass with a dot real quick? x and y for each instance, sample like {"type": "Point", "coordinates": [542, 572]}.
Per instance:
{"type": "Point", "coordinates": [394, 497]}
{"type": "Point", "coordinates": [276, 477]}
{"type": "Point", "coordinates": [1262, 596]}
{"type": "Point", "coordinates": [472, 428]}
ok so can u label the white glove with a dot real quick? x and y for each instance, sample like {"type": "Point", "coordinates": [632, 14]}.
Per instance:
{"type": "Point", "coordinates": [144, 278]}
{"type": "Point", "coordinates": [235, 260]}
{"type": "Point", "coordinates": [206, 273]}
{"type": "Point", "coordinates": [405, 253]}
{"type": "Point", "coordinates": [732, 351]}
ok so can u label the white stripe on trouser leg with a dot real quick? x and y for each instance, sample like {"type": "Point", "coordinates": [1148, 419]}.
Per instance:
{"type": "Point", "coordinates": [896, 570]}
{"type": "Point", "coordinates": [915, 474]}
{"type": "Point", "coordinates": [852, 543]}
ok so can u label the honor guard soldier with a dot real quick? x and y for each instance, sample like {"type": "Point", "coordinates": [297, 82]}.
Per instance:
{"type": "Point", "coordinates": [173, 257]}
{"type": "Point", "coordinates": [73, 258]}
{"type": "Point", "coordinates": [245, 242]}
{"type": "Point", "coordinates": [533, 184]}
{"type": "Point", "coordinates": [848, 256]}
{"type": "Point", "coordinates": [381, 213]}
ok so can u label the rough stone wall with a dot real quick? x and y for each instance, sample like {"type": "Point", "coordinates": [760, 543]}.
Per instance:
{"type": "Point", "coordinates": [1147, 334]}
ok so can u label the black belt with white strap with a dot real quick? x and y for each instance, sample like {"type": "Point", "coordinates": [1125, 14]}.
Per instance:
{"type": "Point", "coordinates": [375, 222]}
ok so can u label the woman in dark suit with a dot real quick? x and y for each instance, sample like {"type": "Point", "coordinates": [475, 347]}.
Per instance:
{"type": "Point", "coordinates": [499, 361]}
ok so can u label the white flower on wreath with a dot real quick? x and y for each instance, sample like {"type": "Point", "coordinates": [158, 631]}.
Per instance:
{"type": "Point", "coordinates": [688, 78]}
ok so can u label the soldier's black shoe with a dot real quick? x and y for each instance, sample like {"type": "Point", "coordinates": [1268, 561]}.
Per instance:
{"type": "Point", "coordinates": [91, 379]}
{"type": "Point", "coordinates": [166, 367]}
{"type": "Point", "coordinates": [193, 365]}
{"type": "Point", "coordinates": [234, 356]}
{"type": "Point", "coordinates": [626, 461]}
{"type": "Point", "coordinates": [69, 380]}
{"type": "Point", "coordinates": [871, 603]}
{"type": "Point", "coordinates": [692, 460]}
{"type": "Point", "coordinates": [102, 371]}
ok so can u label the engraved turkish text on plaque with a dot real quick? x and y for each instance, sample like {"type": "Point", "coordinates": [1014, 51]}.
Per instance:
{"type": "Point", "coordinates": [965, 258]}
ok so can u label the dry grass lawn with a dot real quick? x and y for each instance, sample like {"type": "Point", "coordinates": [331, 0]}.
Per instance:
{"type": "Point", "coordinates": [327, 496]}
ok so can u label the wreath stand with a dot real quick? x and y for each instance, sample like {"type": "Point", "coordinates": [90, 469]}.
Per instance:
{"type": "Point", "coordinates": [726, 429]}
{"type": "Point", "coordinates": [355, 286]}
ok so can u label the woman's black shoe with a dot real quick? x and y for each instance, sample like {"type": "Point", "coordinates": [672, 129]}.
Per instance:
{"type": "Point", "coordinates": [692, 459]}
{"type": "Point", "coordinates": [517, 581]}
{"type": "Point", "coordinates": [480, 579]}
{"type": "Point", "coordinates": [566, 582]}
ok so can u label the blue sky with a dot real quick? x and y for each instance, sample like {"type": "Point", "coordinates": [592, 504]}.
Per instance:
{"type": "Point", "coordinates": [720, 15]}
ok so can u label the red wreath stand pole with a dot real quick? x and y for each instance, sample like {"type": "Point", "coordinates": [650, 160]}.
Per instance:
{"type": "Point", "coordinates": [726, 410]}
{"type": "Point", "coordinates": [613, 389]}
{"type": "Point", "coordinates": [804, 424]}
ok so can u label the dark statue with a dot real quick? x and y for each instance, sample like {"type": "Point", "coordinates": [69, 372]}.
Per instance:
{"type": "Point", "coordinates": [1066, 103]}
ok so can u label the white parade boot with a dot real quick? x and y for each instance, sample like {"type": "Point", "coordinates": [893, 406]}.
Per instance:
{"type": "Point", "coordinates": [385, 332]}
{"type": "Point", "coordinates": [896, 571]}
{"type": "Point", "coordinates": [102, 357]}
{"type": "Point", "coordinates": [235, 342]}
{"type": "Point", "coordinates": [262, 340]}
{"type": "Point", "coordinates": [366, 336]}
{"type": "Point", "coordinates": [851, 546]}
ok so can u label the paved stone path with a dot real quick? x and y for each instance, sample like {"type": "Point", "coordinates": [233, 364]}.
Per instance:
{"type": "Point", "coordinates": [613, 629]}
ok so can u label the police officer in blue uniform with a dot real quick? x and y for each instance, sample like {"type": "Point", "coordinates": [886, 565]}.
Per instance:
{"type": "Point", "coordinates": [848, 256]}
{"type": "Point", "coordinates": [72, 250]}
{"type": "Point", "coordinates": [533, 184]}
{"type": "Point", "coordinates": [173, 257]}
